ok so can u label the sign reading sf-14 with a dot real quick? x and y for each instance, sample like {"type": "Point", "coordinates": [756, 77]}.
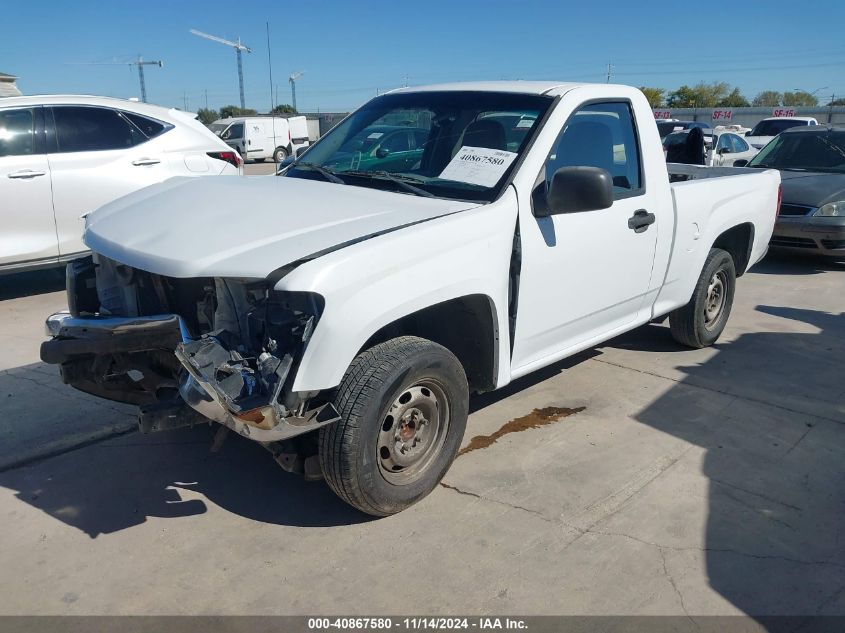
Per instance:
{"type": "Point", "coordinates": [783, 112]}
{"type": "Point", "coordinates": [722, 115]}
{"type": "Point", "coordinates": [662, 114]}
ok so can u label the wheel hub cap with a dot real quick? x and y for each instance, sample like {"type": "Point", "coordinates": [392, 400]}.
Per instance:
{"type": "Point", "coordinates": [715, 298]}
{"type": "Point", "coordinates": [412, 432]}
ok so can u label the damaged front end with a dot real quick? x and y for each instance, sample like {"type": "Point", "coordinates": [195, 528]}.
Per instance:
{"type": "Point", "coordinates": [226, 348]}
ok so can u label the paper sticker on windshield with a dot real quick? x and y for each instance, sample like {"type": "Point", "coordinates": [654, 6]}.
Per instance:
{"type": "Point", "coordinates": [376, 135]}
{"type": "Point", "coordinates": [525, 122]}
{"type": "Point", "coordinates": [478, 166]}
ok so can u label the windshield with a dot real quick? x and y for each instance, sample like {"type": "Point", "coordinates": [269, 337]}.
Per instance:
{"type": "Point", "coordinates": [811, 151]}
{"type": "Point", "coordinates": [452, 144]}
{"type": "Point", "coordinates": [217, 127]}
{"type": "Point", "coordinates": [774, 127]}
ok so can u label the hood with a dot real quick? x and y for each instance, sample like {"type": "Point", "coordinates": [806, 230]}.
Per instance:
{"type": "Point", "coordinates": [812, 189]}
{"type": "Point", "coordinates": [246, 226]}
{"type": "Point", "coordinates": [758, 141]}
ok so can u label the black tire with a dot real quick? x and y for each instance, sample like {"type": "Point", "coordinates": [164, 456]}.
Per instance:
{"type": "Point", "coordinates": [690, 324]}
{"type": "Point", "coordinates": [352, 449]}
{"type": "Point", "coordinates": [280, 154]}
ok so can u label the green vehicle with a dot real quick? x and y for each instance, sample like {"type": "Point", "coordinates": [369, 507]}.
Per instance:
{"type": "Point", "coordinates": [390, 148]}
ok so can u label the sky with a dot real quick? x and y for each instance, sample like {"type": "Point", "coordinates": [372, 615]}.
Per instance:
{"type": "Point", "coordinates": [350, 51]}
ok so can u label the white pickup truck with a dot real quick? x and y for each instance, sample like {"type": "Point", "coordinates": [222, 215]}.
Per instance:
{"type": "Point", "coordinates": [341, 313]}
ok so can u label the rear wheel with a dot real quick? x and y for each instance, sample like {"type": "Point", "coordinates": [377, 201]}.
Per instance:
{"type": "Point", "coordinates": [700, 322]}
{"type": "Point", "coordinates": [403, 407]}
{"type": "Point", "coordinates": [280, 154]}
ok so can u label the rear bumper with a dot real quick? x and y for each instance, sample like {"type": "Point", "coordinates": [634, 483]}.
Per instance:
{"type": "Point", "coordinates": [810, 236]}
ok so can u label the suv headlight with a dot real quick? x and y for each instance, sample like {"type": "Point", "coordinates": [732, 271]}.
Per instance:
{"type": "Point", "coordinates": [832, 209]}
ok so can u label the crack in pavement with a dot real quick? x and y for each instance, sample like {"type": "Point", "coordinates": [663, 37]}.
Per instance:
{"type": "Point", "coordinates": [672, 582]}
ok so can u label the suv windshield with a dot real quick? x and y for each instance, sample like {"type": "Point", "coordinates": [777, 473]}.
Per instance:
{"type": "Point", "coordinates": [822, 151]}
{"type": "Point", "coordinates": [451, 144]}
{"type": "Point", "coordinates": [774, 127]}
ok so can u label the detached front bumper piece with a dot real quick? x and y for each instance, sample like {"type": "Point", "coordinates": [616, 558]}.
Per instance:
{"type": "Point", "coordinates": [226, 387]}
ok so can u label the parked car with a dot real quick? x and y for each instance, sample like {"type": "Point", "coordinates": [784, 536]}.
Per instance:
{"type": "Point", "coordinates": [386, 147]}
{"type": "Point", "coordinates": [63, 156]}
{"type": "Point", "coordinates": [263, 137]}
{"type": "Point", "coordinates": [769, 128]}
{"type": "Point", "coordinates": [345, 320]}
{"type": "Point", "coordinates": [812, 165]}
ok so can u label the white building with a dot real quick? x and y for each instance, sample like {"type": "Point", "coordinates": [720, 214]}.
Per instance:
{"type": "Point", "coordinates": [8, 87]}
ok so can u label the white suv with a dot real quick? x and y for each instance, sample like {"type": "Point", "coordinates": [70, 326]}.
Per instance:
{"type": "Point", "coordinates": [61, 157]}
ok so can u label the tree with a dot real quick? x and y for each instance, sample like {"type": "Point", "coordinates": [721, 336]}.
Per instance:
{"type": "Point", "coordinates": [654, 96]}
{"type": "Point", "coordinates": [207, 116]}
{"type": "Point", "coordinates": [701, 95]}
{"type": "Point", "coordinates": [734, 100]}
{"type": "Point", "coordinates": [799, 98]}
{"type": "Point", "coordinates": [230, 111]}
{"type": "Point", "coordinates": [837, 102]}
{"type": "Point", "coordinates": [283, 108]}
{"type": "Point", "coordinates": [767, 98]}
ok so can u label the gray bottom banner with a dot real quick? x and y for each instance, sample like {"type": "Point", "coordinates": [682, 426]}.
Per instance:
{"type": "Point", "coordinates": [379, 624]}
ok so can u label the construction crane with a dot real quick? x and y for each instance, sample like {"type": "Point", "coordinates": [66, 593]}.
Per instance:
{"type": "Point", "coordinates": [140, 63]}
{"type": "Point", "coordinates": [292, 79]}
{"type": "Point", "coordinates": [239, 48]}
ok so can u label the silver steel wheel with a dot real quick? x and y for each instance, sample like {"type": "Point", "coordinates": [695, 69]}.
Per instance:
{"type": "Point", "coordinates": [716, 297]}
{"type": "Point", "coordinates": [412, 432]}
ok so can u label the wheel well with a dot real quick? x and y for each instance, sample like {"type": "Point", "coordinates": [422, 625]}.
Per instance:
{"type": "Point", "coordinates": [737, 241]}
{"type": "Point", "coordinates": [466, 326]}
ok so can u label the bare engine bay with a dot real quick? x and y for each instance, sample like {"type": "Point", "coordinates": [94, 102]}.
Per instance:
{"type": "Point", "coordinates": [226, 347]}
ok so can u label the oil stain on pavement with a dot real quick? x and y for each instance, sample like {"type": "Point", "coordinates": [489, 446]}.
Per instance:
{"type": "Point", "coordinates": [534, 420]}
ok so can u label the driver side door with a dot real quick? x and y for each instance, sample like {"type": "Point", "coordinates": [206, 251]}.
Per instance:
{"type": "Point", "coordinates": [585, 274]}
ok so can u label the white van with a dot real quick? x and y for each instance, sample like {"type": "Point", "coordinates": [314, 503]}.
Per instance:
{"type": "Point", "coordinates": [263, 137]}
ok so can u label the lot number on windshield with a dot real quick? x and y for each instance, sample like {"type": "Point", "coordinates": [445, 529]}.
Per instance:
{"type": "Point", "coordinates": [478, 166]}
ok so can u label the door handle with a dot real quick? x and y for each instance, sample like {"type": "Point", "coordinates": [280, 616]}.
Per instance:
{"type": "Point", "coordinates": [26, 173]}
{"type": "Point", "coordinates": [141, 162]}
{"type": "Point", "coordinates": [641, 220]}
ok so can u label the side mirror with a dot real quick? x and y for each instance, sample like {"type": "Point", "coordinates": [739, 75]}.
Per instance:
{"type": "Point", "coordinates": [724, 150]}
{"type": "Point", "coordinates": [575, 189]}
{"type": "Point", "coordinates": [741, 163]}
{"type": "Point", "coordinates": [285, 164]}
{"type": "Point", "coordinates": [382, 152]}
{"type": "Point", "coordinates": [299, 151]}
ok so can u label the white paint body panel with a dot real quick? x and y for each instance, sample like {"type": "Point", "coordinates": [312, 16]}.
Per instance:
{"type": "Point", "coordinates": [45, 222]}
{"type": "Point", "coordinates": [595, 279]}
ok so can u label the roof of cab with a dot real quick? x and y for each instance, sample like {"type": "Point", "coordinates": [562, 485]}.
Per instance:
{"type": "Point", "coordinates": [524, 87]}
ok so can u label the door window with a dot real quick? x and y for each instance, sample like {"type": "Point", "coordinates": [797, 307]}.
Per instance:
{"type": "Point", "coordinates": [600, 135]}
{"type": "Point", "coordinates": [397, 142]}
{"type": "Point", "coordinates": [87, 129]}
{"type": "Point", "coordinates": [725, 143]}
{"type": "Point", "coordinates": [739, 145]}
{"type": "Point", "coordinates": [236, 130]}
{"type": "Point", "coordinates": [17, 132]}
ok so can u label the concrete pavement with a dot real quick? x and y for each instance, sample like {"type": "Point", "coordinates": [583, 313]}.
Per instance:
{"type": "Point", "coordinates": [692, 482]}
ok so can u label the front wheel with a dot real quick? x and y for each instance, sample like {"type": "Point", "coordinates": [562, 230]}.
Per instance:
{"type": "Point", "coordinates": [700, 322]}
{"type": "Point", "coordinates": [403, 408]}
{"type": "Point", "coordinates": [280, 154]}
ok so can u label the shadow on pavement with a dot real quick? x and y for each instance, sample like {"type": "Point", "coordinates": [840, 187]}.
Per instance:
{"type": "Point", "coordinates": [35, 282]}
{"type": "Point", "coordinates": [779, 263]}
{"type": "Point", "coordinates": [117, 484]}
{"type": "Point", "coordinates": [774, 532]}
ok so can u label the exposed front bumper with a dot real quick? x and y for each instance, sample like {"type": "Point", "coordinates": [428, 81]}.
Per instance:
{"type": "Point", "coordinates": [817, 236]}
{"type": "Point", "coordinates": [93, 353]}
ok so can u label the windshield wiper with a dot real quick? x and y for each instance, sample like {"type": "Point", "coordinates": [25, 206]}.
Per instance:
{"type": "Point", "coordinates": [398, 180]}
{"type": "Point", "coordinates": [328, 174]}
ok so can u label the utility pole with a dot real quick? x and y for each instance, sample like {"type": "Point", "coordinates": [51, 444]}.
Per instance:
{"type": "Point", "coordinates": [270, 66]}
{"type": "Point", "coordinates": [609, 72]}
{"type": "Point", "coordinates": [185, 101]}
{"type": "Point", "coordinates": [239, 48]}
{"type": "Point", "coordinates": [206, 98]}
